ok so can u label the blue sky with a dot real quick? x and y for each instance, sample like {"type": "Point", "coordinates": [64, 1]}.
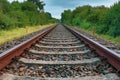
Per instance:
{"type": "Point", "coordinates": [56, 7]}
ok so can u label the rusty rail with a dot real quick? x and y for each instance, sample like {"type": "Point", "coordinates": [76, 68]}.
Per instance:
{"type": "Point", "coordinates": [7, 56]}
{"type": "Point", "coordinates": [112, 57]}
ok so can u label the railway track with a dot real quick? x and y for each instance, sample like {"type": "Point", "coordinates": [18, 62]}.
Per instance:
{"type": "Point", "coordinates": [59, 53]}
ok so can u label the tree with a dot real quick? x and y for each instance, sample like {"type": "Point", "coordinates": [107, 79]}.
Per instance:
{"type": "Point", "coordinates": [106, 20]}
{"type": "Point", "coordinates": [113, 20]}
{"type": "Point", "coordinates": [23, 14]}
{"type": "Point", "coordinates": [16, 5]}
{"type": "Point", "coordinates": [66, 16]}
{"type": "Point", "coordinates": [38, 3]}
{"type": "Point", "coordinates": [6, 22]}
{"type": "Point", "coordinates": [28, 6]}
{"type": "Point", "coordinates": [21, 20]}
{"type": "Point", "coordinates": [5, 6]}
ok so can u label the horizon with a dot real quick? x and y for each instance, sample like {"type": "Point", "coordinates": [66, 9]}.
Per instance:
{"type": "Point", "coordinates": [57, 7]}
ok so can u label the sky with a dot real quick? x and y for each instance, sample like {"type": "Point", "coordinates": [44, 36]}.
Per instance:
{"type": "Point", "coordinates": [56, 7]}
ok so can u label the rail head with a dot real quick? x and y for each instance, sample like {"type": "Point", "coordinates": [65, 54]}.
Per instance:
{"type": "Point", "coordinates": [7, 56]}
{"type": "Point", "coordinates": [112, 57]}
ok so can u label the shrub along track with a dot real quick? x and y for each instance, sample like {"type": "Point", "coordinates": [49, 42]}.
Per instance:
{"type": "Point", "coordinates": [60, 53]}
{"type": "Point", "coordinates": [107, 44]}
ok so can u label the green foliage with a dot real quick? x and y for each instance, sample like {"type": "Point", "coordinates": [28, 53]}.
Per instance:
{"type": "Point", "coordinates": [67, 15]}
{"type": "Point", "coordinates": [104, 20]}
{"type": "Point", "coordinates": [5, 6]}
{"type": "Point", "coordinates": [28, 6]}
{"type": "Point", "coordinates": [40, 5]}
{"type": "Point", "coordinates": [23, 14]}
{"type": "Point", "coordinates": [21, 20]}
{"type": "Point", "coordinates": [113, 20]}
{"type": "Point", "coordinates": [5, 22]}
{"type": "Point", "coordinates": [16, 6]}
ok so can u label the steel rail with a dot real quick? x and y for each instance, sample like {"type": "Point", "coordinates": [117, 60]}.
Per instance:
{"type": "Point", "coordinates": [112, 57]}
{"type": "Point", "coordinates": [7, 56]}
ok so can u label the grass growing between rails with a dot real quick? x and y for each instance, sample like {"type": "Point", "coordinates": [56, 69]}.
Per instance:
{"type": "Point", "coordinates": [106, 37]}
{"type": "Point", "coordinates": [18, 32]}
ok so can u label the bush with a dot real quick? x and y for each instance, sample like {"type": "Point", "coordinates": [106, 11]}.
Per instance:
{"type": "Point", "coordinates": [21, 20]}
{"type": "Point", "coordinates": [106, 20]}
{"type": "Point", "coordinates": [6, 22]}
{"type": "Point", "coordinates": [23, 14]}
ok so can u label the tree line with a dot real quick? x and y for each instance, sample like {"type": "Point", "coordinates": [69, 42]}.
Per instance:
{"type": "Point", "coordinates": [16, 14]}
{"type": "Point", "coordinates": [103, 19]}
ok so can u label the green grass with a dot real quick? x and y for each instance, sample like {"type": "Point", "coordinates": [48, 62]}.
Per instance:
{"type": "Point", "coordinates": [18, 32]}
{"type": "Point", "coordinates": [111, 39]}
{"type": "Point", "coordinates": [102, 36]}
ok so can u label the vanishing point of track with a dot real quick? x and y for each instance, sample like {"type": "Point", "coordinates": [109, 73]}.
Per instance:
{"type": "Point", "coordinates": [59, 53]}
